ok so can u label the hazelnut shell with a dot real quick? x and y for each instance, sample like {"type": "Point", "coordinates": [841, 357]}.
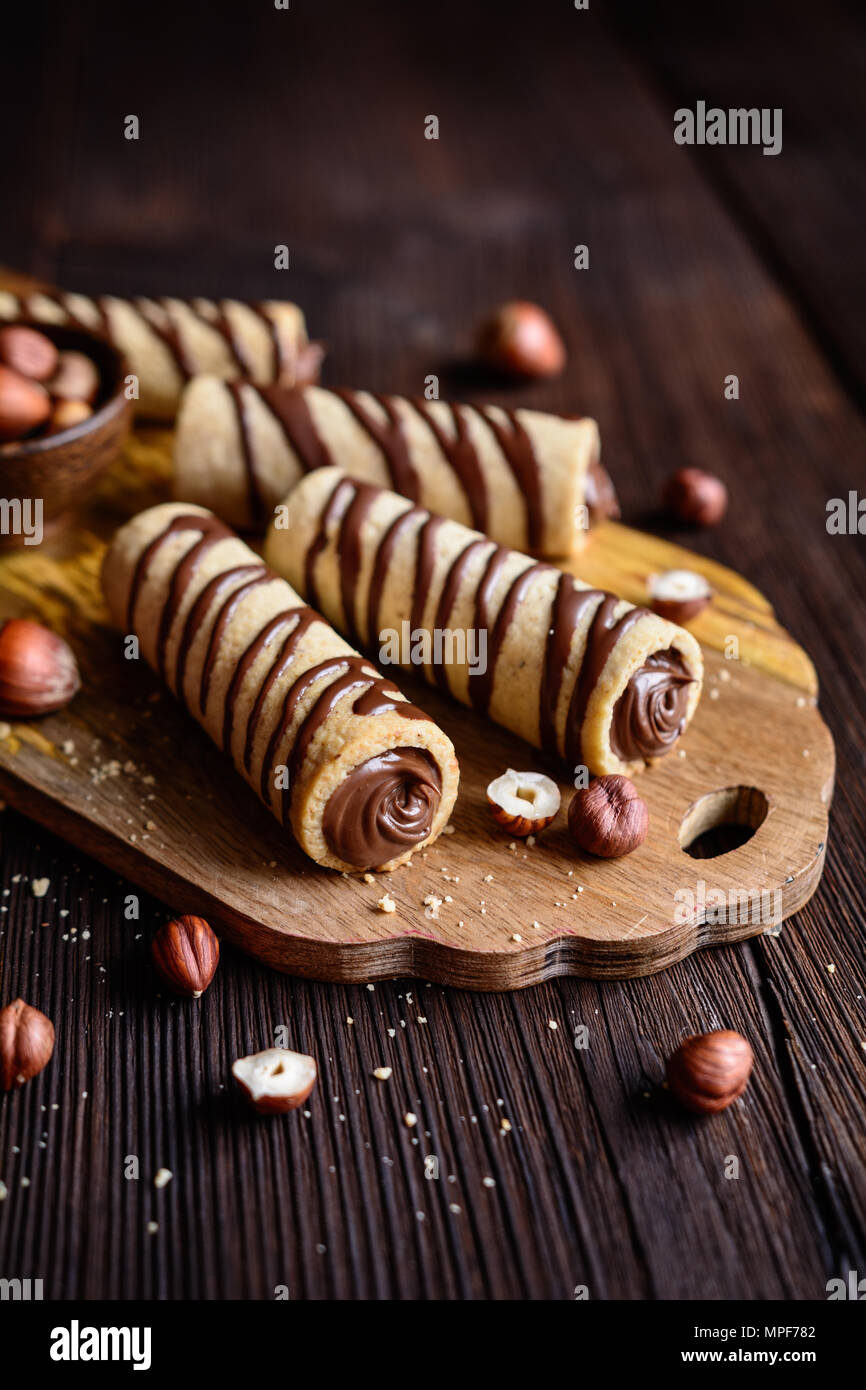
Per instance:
{"type": "Point", "coordinates": [38, 671]}
{"type": "Point", "coordinates": [26, 1043]}
{"type": "Point", "coordinates": [76, 378]}
{"type": "Point", "coordinates": [185, 954]}
{"type": "Point", "coordinates": [521, 339]}
{"type": "Point", "coordinates": [27, 351]}
{"type": "Point", "coordinates": [608, 818]}
{"type": "Point", "coordinates": [24, 405]}
{"type": "Point", "coordinates": [695, 497]}
{"type": "Point", "coordinates": [710, 1070]}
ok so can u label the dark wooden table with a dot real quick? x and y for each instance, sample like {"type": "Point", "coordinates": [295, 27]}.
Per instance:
{"type": "Point", "coordinates": [306, 127]}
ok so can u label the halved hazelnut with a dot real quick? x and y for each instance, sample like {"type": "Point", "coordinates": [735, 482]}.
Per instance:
{"type": "Point", "coordinates": [679, 595]}
{"type": "Point", "coordinates": [275, 1080]}
{"type": "Point", "coordinates": [523, 802]}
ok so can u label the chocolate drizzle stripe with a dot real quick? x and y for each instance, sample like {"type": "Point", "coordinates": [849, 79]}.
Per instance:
{"type": "Point", "coordinates": [390, 437]}
{"type": "Point", "coordinates": [168, 333]}
{"type": "Point", "coordinates": [448, 597]}
{"type": "Point", "coordinates": [567, 611]}
{"type": "Point", "coordinates": [520, 456]}
{"type": "Point", "coordinates": [210, 530]}
{"type": "Point", "coordinates": [222, 324]}
{"type": "Point", "coordinates": [462, 455]}
{"type": "Point", "coordinates": [381, 562]}
{"type": "Point", "coordinates": [198, 612]}
{"type": "Point", "coordinates": [254, 491]}
{"type": "Point", "coordinates": [224, 617]}
{"type": "Point", "coordinates": [425, 563]}
{"type": "Point", "coordinates": [280, 664]}
{"type": "Point", "coordinates": [258, 645]}
{"type": "Point", "coordinates": [285, 353]}
{"type": "Point", "coordinates": [343, 489]}
{"type": "Point", "coordinates": [291, 410]}
{"type": "Point", "coordinates": [481, 622]}
{"type": "Point", "coordinates": [481, 682]}
{"type": "Point", "coordinates": [349, 550]}
{"type": "Point", "coordinates": [603, 635]}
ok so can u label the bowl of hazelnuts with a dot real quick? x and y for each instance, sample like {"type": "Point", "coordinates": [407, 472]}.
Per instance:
{"type": "Point", "coordinates": [64, 415]}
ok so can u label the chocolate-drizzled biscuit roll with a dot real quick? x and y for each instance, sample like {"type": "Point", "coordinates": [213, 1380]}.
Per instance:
{"type": "Point", "coordinates": [529, 480]}
{"type": "Point", "coordinates": [168, 341]}
{"type": "Point", "coordinates": [361, 776]}
{"type": "Point", "coordinates": [575, 671]}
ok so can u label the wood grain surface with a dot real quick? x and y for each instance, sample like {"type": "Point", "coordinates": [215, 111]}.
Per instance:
{"type": "Point", "coordinates": [555, 129]}
{"type": "Point", "coordinates": [124, 773]}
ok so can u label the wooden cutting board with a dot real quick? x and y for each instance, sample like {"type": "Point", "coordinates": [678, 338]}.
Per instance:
{"type": "Point", "coordinates": [125, 775]}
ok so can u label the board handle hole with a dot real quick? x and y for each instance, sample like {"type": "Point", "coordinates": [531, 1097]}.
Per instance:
{"type": "Point", "coordinates": [721, 821]}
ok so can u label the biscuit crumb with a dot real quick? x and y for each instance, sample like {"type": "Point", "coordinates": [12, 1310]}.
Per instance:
{"type": "Point", "coordinates": [386, 904]}
{"type": "Point", "coordinates": [382, 1073]}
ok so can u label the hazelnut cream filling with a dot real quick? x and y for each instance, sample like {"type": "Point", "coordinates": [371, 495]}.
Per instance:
{"type": "Point", "coordinates": [383, 807]}
{"type": "Point", "coordinates": [650, 715]}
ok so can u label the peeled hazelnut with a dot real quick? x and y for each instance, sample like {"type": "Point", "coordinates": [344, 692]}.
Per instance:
{"type": "Point", "coordinates": [523, 802]}
{"type": "Point", "coordinates": [608, 818]}
{"type": "Point", "coordinates": [679, 595]}
{"type": "Point", "coordinates": [26, 1043]}
{"type": "Point", "coordinates": [65, 414]}
{"type": "Point", "coordinates": [709, 1071]}
{"type": "Point", "coordinates": [27, 351]}
{"type": "Point", "coordinates": [24, 404]}
{"type": "Point", "coordinates": [185, 954]}
{"type": "Point", "coordinates": [276, 1080]}
{"type": "Point", "coordinates": [38, 671]}
{"type": "Point", "coordinates": [695, 497]}
{"type": "Point", "coordinates": [523, 340]}
{"type": "Point", "coordinates": [76, 378]}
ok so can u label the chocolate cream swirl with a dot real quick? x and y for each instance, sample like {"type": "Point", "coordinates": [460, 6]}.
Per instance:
{"type": "Point", "coordinates": [650, 715]}
{"type": "Point", "coordinates": [383, 807]}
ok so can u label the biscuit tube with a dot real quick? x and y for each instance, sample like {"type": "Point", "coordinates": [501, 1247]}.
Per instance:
{"type": "Point", "coordinates": [529, 480]}
{"type": "Point", "coordinates": [361, 776]}
{"type": "Point", "coordinates": [577, 672]}
{"type": "Point", "coordinates": [167, 341]}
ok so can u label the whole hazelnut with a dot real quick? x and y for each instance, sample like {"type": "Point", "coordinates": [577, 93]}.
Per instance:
{"type": "Point", "coordinates": [24, 404]}
{"type": "Point", "coordinates": [608, 818]}
{"type": "Point", "coordinates": [76, 378]}
{"type": "Point", "coordinates": [26, 1043]}
{"type": "Point", "coordinates": [695, 497]}
{"type": "Point", "coordinates": [521, 339]}
{"type": "Point", "coordinates": [27, 351]}
{"type": "Point", "coordinates": [38, 671]}
{"type": "Point", "coordinates": [707, 1072]}
{"type": "Point", "coordinates": [65, 414]}
{"type": "Point", "coordinates": [185, 954]}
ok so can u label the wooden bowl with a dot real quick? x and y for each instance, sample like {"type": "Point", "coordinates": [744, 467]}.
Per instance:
{"type": "Point", "coordinates": [60, 470]}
